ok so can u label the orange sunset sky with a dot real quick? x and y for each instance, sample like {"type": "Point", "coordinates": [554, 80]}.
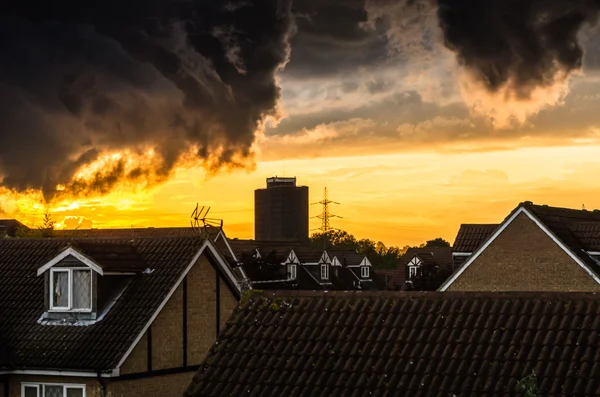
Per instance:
{"type": "Point", "coordinates": [405, 137]}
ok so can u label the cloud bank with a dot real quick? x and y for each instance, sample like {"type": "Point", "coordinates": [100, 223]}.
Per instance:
{"type": "Point", "coordinates": [96, 93]}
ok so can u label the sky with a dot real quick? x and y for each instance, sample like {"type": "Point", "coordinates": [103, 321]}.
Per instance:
{"type": "Point", "coordinates": [416, 115]}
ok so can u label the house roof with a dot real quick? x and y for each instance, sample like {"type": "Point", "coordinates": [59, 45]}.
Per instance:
{"type": "Point", "coordinates": [575, 231]}
{"type": "Point", "coordinates": [471, 236]}
{"type": "Point", "coordinates": [31, 344]}
{"type": "Point", "coordinates": [211, 232]}
{"type": "Point", "coordinates": [281, 248]}
{"type": "Point", "coordinates": [346, 258]}
{"type": "Point", "coordinates": [112, 256]}
{"type": "Point", "coordinates": [416, 343]}
{"type": "Point", "coordinates": [307, 255]}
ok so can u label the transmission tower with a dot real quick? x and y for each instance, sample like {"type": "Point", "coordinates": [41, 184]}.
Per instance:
{"type": "Point", "coordinates": [325, 215]}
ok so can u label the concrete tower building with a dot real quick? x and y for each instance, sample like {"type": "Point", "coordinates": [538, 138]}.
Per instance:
{"type": "Point", "coordinates": [281, 211]}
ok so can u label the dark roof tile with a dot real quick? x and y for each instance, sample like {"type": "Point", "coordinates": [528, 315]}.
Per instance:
{"type": "Point", "coordinates": [471, 236]}
{"type": "Point", "coordinates": [98, 346]}
{"type": "Point", "coordinates": [438, 343]}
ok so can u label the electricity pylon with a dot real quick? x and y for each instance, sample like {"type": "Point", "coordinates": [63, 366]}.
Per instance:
{"type": "Point", "coordinates": [325, 215]}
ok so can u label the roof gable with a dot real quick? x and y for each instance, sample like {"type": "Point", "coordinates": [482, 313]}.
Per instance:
{"type": "Point", "coordinates": [462, 344]}
{"type": "Point", "coordinates": [581, 258]}
{"type": "Point", "coordinates": [105, 344]}
{"type": "Point", "coordinates": [70, 251]}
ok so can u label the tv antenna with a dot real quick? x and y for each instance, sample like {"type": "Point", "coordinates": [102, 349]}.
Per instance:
{"type": "Point", "coordinates": [200, 223]}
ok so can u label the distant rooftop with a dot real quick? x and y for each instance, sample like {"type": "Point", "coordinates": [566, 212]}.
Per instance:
{"type": "Point", "coordinates": [281, 181]}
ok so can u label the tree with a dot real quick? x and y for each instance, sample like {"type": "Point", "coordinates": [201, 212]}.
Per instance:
{"type": "Point", "coordinates": [435, 243]}
{"type": "Point", "coordinates": [47, 228]}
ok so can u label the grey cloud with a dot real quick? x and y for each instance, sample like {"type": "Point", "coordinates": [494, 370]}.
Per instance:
{"type": "Point", "coordinates": [332, 39]}
{"type": "Point", "coordinates": [79, 80]}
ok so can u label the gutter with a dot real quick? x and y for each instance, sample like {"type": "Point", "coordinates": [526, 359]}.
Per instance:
{"type": "Point", "coordinates": [102, 385]}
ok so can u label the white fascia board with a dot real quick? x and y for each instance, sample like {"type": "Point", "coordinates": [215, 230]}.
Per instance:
{"type": "Point", "coordinates": [461, 253]}
{"type": "Point", "coordinates": [543, 227]}
{"type": "Point", "coordinates": [222, 235]}
{"type": "Point", "coordinates": [211, 247]}
{"type": "Point", "coordinates": [593, 252]}
{"type": "Point", "coordinates": [476, 254]}
{"type": "Point", "coordinates": [41, 372]}
{"type": "Point", "coordinates": [567, 250]}
{"type": "Point", "coordinates": [73, 252]}
{"type": "Point", "coordinates": [163, 303]}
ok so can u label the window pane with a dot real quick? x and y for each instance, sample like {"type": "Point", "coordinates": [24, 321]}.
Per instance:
{"type": "Point", "coordinates": [31, 391]}
{"type": "Point", "coordinates": [53, 391]}
{"type": "Point", "coordinates": [74, 392]}
{"type": "Point", "coordinates": [60, 292]}
{"type": "Point", "coordinates": [82, 297]}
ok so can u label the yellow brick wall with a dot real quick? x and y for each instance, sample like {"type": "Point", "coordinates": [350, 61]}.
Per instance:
{"type": "Point", "coordinates": [157, 386]}
{"type": "Point", "coordinates": [167, 334]}
{"type": "Point", "coordinates": [138, 359]}
{"type": "Point", "coordinates": [524, 258]}
{"type": "Point", "coordinates": [202, 329]}
{"type": "Point", "coordinates": [228, 304]}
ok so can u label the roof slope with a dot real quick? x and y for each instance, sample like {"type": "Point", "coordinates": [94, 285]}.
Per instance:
{"type": "Point", "coordinates": [94, 347]}
{"type": "Point", "coordinates": [471, 236]}
{"type": "Point", "coordinates": [405, 344]}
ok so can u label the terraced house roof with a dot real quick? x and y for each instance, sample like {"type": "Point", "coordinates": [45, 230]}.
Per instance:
{"type": "Point", "coordinates": [29, 343]}
{"type": "Point", "coordinates": [405, 344]}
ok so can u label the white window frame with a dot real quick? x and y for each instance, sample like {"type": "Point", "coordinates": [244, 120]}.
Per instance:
{"type": "Point", "coordinates": [68, 308]}
{"type": "Point", "coordinates": [41, 391]}
{"type": "Point", "coordinates": [293, 271]}
{"type": "Point", "coordinates": [413, 271]}
{"type": "Point", "coordinates": [364, 271]}
{"type": "Point", "coordinates": [325, 272]}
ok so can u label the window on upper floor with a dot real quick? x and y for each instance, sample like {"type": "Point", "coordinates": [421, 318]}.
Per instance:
{"type": "Point", "coordinates": [71, 289]}
{"type": "Point", "coordinates": [325, 272]}
{"type": "Point", "coordinates": [364, 271]}
{"type": "Point", "coordinates": [52, 390]}
{"type": "Point", "coordinates": [292, 272]}
{"type": "Point", "coordinates": [413, 271]}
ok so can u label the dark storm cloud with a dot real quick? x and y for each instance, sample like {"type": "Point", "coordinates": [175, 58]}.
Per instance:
{"type": "Point", "coordinates": [332, 39]}
{"type": "Point", "coordinates": [521, 43]}
{"type": "Point", "coordinates": [78, 80]}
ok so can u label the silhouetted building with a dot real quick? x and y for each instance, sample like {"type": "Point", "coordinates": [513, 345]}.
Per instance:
{"type": "Point", "coordinates": [281, 211]}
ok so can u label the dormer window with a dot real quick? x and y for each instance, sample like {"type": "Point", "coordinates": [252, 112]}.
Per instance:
{"type": "Point", "coordinates": [413, 271]}
{"type": "Point", "coordinates": [364, 271]}
{"type": "Point", "coordinates": [325, 272]}
{"type": "Point", "coordinates": [71, 289]}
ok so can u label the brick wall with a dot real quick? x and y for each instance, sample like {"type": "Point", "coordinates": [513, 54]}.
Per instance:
{"type": "Point", "coordinates": [202, 301]}
{"type": "Point", "coordinates": [138, 359]}
{"type": "Point", "coordinates": [163, 386]}
{"type": "Point", "coordinates": [167, 334]}
{"type": "Point", "coordinates": [524, 258]}
{"type": "Point", "coordinates": [228, 304]}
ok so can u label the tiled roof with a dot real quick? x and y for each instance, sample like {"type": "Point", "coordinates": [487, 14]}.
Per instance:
{"type": "Point", "coordinates": [210, 232]}
{"type": "Point", "coordinates": [281, 248]}
{"type": "Point", "coordinates": [346, 258]}
{"type": "Point", "coordinates": [405, 344]}
{"type": "Point", "coordinates": [306, 255]}
{"type": "Point", "coordinates": [101, 345]}
{"type": "Point", "coordinates": [121, 256]}
{"type": "Point", "coordinates": [471, 236]}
